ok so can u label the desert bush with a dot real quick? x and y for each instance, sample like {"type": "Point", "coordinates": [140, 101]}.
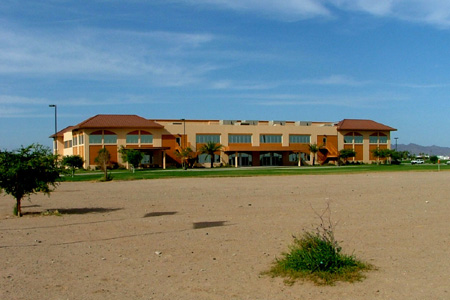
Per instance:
{"type": "Point", "coordinates": [317, 256]}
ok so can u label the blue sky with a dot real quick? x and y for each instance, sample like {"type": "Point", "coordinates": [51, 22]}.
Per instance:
{"type": "Point", "coordinates": [323, 60]}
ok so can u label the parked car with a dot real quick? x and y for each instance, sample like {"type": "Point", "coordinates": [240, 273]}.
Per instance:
{"type": "Point", "coordinates": [417, 161]}
{"type": "Point", "coordinates": [448, 162]}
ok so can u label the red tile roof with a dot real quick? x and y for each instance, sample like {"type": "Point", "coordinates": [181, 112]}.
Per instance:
{"type": "Point", "coordinates": [352, 124]}
{"type": "Point", "coordinates": [61, 132]}
{"type": "Point", "coordinates": [117, 121]}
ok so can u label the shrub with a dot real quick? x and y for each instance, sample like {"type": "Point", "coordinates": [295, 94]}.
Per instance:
{"type": "Point", "coordinates": [317, 256]}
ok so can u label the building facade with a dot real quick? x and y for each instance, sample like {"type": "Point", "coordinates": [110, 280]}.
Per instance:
{"type": "Point", "coordinates": [245, 142]}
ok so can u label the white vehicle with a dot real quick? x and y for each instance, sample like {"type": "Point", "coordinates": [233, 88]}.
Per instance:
{"type": "Point", "coordinates": [448, 162]}
{"type": "Point", "coordinates": [417, 161]}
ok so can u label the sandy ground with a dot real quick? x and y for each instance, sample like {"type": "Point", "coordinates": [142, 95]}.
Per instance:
{"type": "Point", "coordinates": [211, 238]}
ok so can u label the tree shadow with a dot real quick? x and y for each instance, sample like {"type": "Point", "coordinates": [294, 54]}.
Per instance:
{"type": "Point", "coordinates": [30, 206]}
{"type": "Point", "coordinates": [160, 213]}
{"type": "Point", "coordinates": [84, 210]}
{"type": "Point", "coordinates": [200, 225]}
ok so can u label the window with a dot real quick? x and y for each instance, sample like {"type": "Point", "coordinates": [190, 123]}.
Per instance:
{"type": "Point", "coordinates": [132, 138]}
{"type": "Point", "coordinates": [110, 138]}
{"type": "Point", "coordinates": [178, 140]}
{"type": "Point", "coordinates": [81, 139]}
{"type": "Point", "coordinates": [146, 137]}
{"type": "Point", "coordinates": [299, 139]}
{"type": "Point", "coordinates": [206, 138]}
{"type": "Point", "coordinates": [95, 139]}
{"type": "Point", "coordinates": [358, 139]}
{"type": "Point", "coordinates": [68, 144]}
{"type": "Point", "coordinates": [239, 139]}
{"type": "Point", "coordinates": [353, 137]}
{"type": "Point", "coordinates": [293, 157]}
{"type": "Point", "coordinates": [348, 139]}
{"type": "Point", "coordinates": [206, 158]}
{"type": "Point", "coordinates": [270, 139]}
{"type": "Point", "coordinates": [75, 141]}
{"type": "Point", "coordinates": [373, 139]}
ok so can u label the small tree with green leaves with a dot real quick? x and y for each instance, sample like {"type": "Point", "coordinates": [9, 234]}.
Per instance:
{"type": "Point", "coordinates": [313, 148]}
{"type": "Point", "coordinates": [185, 155]}
{"type": "Point", "coordinates": [434, 159]}
{"type": "Point", "coordinates": [132, 156]}
{"type": "Point", "coordinates": [381, 154]}
{"type": "Point", "coordinates": [103, 159]}
{"type": "Point", "coordinates": [345, 154]}
{"type": "Point", "coordinates": [73, 162]}
{"type": "Point", "coordinates": [210, 148]}
{"type": "Point", "coordinates": [27, 171]}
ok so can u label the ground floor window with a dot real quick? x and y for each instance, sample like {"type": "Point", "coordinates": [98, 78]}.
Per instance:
{"type": "Point", "coordinates": [244, 159]}
{"type": "Point", "coordinates": [147, 159]}
{"type": "Point", "coordinates": [293, 157]}
{"type": "Point", "coordinates": [271, 159]}
{"type": "Point", "coordinates": [206, 158]}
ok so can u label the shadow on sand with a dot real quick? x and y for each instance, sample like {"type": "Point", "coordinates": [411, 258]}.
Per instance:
{"type": "Point", "coordinates": [73, 211]}
{"type": "Point", "coordinates": [160, 213]}
{"type": "Point", "coordinates": [200, 225]}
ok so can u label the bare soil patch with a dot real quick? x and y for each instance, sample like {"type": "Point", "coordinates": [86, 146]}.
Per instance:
{"type": "Point", "coordinates": [211, 238]}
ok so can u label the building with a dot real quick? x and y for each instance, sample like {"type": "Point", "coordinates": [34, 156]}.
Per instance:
{"type": "Point", "coordinates": [245, 142]}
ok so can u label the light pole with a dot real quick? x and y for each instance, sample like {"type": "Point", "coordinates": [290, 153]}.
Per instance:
{"type": "Point", "coordinates": [184, 133]}
{"type": "Point", "coordinates": [56, 128]}
{"type": "Point", "coordinates": [396, 143]}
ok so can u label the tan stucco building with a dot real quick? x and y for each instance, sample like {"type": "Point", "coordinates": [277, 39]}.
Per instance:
{"type": "Point", "coordinates": [245, 142]}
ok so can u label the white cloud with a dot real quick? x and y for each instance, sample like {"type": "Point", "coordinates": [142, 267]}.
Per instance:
{"type": "Point", "coordinates": [434, 12]}
{"type": "Point", "coordinates": [335, 80]}
{"type": "Point", "coordinates": [94, 53]}
{"type": "Point", "coordinates": [290, 10]}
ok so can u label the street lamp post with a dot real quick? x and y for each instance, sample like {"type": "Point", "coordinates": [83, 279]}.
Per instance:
{"type": "Point", "coordinates": [56, 128]}
{"type": "Point", "coordinates": [396, 143]}
{"type": "Point", "coordinates": [184, 133]}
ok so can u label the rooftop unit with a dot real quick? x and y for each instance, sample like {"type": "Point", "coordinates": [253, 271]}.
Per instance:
{"type": "Point", "coordinates": [274, 123]}
{"type": "Point", "coordinates": [303, 123]}
{"type": "Point", "coordinates": [249, 122]}
{"type": "Point", "coordinates": [228, 122]}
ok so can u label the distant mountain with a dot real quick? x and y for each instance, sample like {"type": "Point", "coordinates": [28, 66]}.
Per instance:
{"type": "Point", "coordinates": [430, 150]}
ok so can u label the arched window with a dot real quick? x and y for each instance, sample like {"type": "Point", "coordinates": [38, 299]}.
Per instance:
{"type": "Point", "coordinates": [96, 137]}
{"type": "Point", "coordinates": [109, 137]}
{"type": "Point", "coordinates": [146, 137]}
{"type": "Point", "coordinates": [353, 137]}
{"type": "Point", "coordinates": [133, 137]}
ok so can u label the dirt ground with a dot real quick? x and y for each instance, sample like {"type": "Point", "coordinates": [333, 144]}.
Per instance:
{"type": "Point", "coordinates": [212, 238]}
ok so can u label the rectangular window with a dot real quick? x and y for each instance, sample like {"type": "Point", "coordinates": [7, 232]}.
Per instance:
{"type": "Point", "coordinates": [206, 138]}
{"type": "Point", "coordinates": [110, 139]}
{"type": "Point", "coordinates": [348, 139]}
{"type": "Point", "coordinates": [383, 139]}
{"type": "Point", "coordinates": [132, 139]}
{"type": "Point", "coordinates": [81, 139]}
{"type": "Point", "coordinates": [147, 139]}
{"type": "Point", "coordinates": [240, 139]}
{"type": "Point", "coordinates": [95, 139]}
{"type": "Point", "coordinates": [373, 139]}
{"type": "Point", "coordinates": [358, 139]}
{"type": "Point", "coordinates": [74, 141]}
{"type": "Point", "coordinates": [299, 139]}
{"type": "Point", "coordinates": [270, 139]}
{"type": "Point", "coordinates": [206, 158]}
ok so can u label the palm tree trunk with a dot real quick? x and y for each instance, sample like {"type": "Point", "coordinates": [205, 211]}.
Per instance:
{"type": "Point", "coordinates": [212, 159]}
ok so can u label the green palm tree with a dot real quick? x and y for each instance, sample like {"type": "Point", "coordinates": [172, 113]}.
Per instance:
{"type": "Point", "coordinates": [313, 148]}
{"type": "Point", "coordinates": [210, 148]}
{"type": "Point", "coordinates": [185, 155]}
